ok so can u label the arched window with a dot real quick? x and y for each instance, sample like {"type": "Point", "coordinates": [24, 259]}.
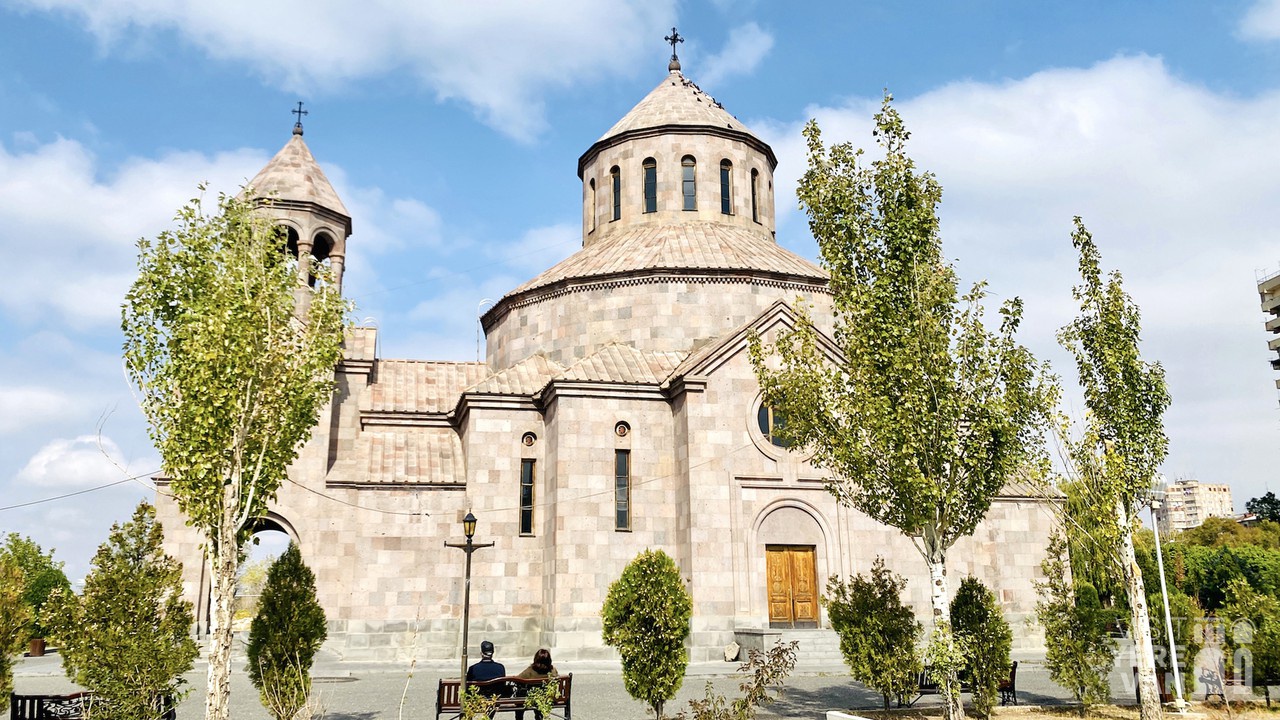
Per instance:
{"type": "Point", "coordinates": [650, 185]}
{"type": "Point", "coordinates": [726, 191]}
{"type": "Point", "coordinates": [615, 177]}
{"type": "Point", "coordinates": [755, 195]}
{"type": "Point", "coordinates": [591, 205]}
{"type": "Point", "coordinates": [689, 182]}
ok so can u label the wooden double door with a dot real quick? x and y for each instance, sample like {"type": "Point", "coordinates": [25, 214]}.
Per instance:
{"type": "Point", "coordinates": [792, 571]}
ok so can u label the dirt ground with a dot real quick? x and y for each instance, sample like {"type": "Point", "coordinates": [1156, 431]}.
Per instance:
{"type": "Point", "coordinates": [1195, 711]}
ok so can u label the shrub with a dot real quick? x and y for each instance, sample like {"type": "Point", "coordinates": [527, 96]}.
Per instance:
{"type": "Point", "coordinates": [1260, 635]}
{"type": "Point", "coordinates": [42, 575]}
{"type": "Point", "coordinates": [1079, 651]}
{"type": "Point", "coordinates": [646, 617]}
{"type": "Point", "coordinates": [878, 634]}
{"type": "Point", "coordinates": [285, 636]}
{"type": "Point", "coordinates": [986, 640]}
{"type": "Point", "coordinates": [765, 672]}
{"type": "Point", "coordinates": [127, 637]}
{"type": "Point", "coordinates": [15, 617]}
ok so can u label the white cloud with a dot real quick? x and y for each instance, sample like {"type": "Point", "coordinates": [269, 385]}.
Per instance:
{"type": "Point", "coordinates": [747, 45]}
{"type": "Point", "coordinates": [23, 407]}
{"type": "Point", "coordinates": [86, 461]}
{"type": "Point", "coordinates": [1177, 184]}
{"type": "Point", "coordinates": [499, 56]}
{"type": "Point", "coordinates": [539, 248]}
{"type": "Point", "coordinates": [1261, 21]}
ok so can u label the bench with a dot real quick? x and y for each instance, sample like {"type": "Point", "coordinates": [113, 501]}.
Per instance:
{"type": "Point", "coordinates": [59, 707]}
{"type": "Point", "coordinates": [925, 685]}
{"type": "Point", "coordinates": [509, 693]}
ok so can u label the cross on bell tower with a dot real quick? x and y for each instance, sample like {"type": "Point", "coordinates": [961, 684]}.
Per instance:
{"type": "Point", "coordinates": [673, 38]}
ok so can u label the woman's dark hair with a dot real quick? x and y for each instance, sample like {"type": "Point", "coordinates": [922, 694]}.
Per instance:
{"type": "Point", "coordinates": [542, 661]}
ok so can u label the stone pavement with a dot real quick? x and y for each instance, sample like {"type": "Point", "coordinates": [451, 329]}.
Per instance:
{"type": "Point", "coordinates": [386, 691]}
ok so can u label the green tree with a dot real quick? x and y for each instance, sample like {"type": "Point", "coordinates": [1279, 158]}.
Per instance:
{"type": "Point", "coordinates": [1079, 652]}
{"type": "Point", "coordinates": [15, 618]}
{"type": "Point", "coordinates": [986, 640]}
{"type": "Point", "coordinates": [285, 636]}
{"type": "Point", "coordinates": [646, 617]}
{"type": "Point", "coordinates": [1266, 507]}
{"type": "Point", "coordinates": [42, 576]}
{"type": "Point", "coordinates": [878, 634]}
{"type": "Point", "coordinates": [1253, 624]}
{"type": "Point", "coordinates": [232, 370]}
{"type": "Point", "coordinates": [1123, 441]}
{"type": "Point", "coordinates": [127, 637]}
{"type": "Point", "coordinates": [928, 414]}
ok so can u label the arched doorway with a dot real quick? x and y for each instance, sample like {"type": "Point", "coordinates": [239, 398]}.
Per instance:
{"type": "Point", "coordinates": [792, 541]}
{"type": "Point", "coordinates": [271, 537]}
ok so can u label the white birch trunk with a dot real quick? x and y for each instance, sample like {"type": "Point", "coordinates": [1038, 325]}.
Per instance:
{"type": "Point", "coordinates": [1140, 622]}
{"type": "Point", "coordinates": [224, 559]}
{"type": "Point", "coordinates": [952, 709]}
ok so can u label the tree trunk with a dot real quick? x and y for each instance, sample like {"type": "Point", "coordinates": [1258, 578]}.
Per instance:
{"type": "Point", "coordinates": [949, 688]}
{"type": "Point", "coordinates": [1140, 622]}
{"type": "Point", "coordinates": [224, 559]}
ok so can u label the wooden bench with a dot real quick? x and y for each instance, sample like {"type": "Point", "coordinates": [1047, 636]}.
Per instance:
{"type": "Point", "coordinates": [59, 707]}
{"type": "Point", "coordinates": [926, 686]}
{"type": "Point", "coordinates": [509, 693]}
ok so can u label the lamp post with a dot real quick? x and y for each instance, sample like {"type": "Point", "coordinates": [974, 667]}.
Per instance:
{"type": "Point", "coordinates": [1157, 499]}
{"type": "Point", "coordinates": [468, 528]}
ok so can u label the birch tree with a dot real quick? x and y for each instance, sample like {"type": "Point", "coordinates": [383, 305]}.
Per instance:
{"type": "Point", "coordinates": [929, 414]}
{"type": "Point", "coordinates": [1123, 443]}
{"type": "Point", "coordinates": [231, 378]}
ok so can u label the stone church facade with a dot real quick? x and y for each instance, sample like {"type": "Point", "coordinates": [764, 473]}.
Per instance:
{"type": "Point", "coordinates": [616, 410]}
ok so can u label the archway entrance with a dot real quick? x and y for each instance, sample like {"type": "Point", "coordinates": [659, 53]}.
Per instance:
{"type": "Point", "coordinates": [271, 537]}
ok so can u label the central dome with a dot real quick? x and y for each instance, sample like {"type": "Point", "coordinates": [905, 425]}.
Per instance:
{"type": "Point", "coordinates": [678, 239]}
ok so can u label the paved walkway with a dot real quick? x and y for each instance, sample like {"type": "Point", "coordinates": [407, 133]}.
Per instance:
{"type": "Point", "coordinates": [384, 691]}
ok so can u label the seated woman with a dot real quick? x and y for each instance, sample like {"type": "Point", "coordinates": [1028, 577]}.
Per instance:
{"type": "Point", "coordinates": [539, 669]}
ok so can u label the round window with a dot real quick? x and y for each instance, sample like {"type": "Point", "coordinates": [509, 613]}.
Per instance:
{"type": "Point", "coordinates": [770, 421]}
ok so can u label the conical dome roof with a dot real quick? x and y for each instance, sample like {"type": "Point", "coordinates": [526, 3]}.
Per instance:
{"type": "Point", "coordinates": [676, 101]}
{"type": "Point", "coordinates": [293, 175]}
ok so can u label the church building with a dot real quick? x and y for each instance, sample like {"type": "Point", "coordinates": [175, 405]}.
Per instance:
{"type": "Point", "coordinates": [615, 411]}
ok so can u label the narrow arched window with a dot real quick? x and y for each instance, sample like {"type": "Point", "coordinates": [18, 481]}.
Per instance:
{"type": "Point", "coordinates": [726, 191]}
{"type": "Point", "coordinates": [689, 182]}
{"type": "Point", "coordinates": [591, 204]}
{"type": "Point", "coordinates": [755, 195]}
{"type": "Point", "coordinates": [615, 178]}
{"type": "Point", "coordinates": [650, 185]}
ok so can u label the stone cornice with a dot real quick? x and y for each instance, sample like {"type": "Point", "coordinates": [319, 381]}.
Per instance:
{"type": "Point", "coordinates": [676, 129]}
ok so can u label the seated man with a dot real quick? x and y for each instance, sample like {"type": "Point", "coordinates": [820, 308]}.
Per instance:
{"type": "Point", "coordinates": [488, 669]}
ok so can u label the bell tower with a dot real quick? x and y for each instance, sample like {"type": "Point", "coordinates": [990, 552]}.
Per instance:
{"type": "Point", "coordinates": [293, 191]}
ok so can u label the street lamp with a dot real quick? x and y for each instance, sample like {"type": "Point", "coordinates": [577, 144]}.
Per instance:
{"type": "Point", "coordinates": [469, 529]}
{"type": "Point", "coordinates": [1157, 499]}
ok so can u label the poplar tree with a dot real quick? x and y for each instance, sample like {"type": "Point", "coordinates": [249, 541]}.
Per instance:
{"type": "Point", "coordinates": [928, 414]}
{"type": "Point", "coordinates": [15, 617]}
{"type": "Point", "coordinates": [1123, 442]}
{"type": "Point", "coordinates": [646, 617]}
{"type": "Point", "coordinates": [233, 358]}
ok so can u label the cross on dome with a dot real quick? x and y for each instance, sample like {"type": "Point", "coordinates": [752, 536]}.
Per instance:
{"type": "Point", "coordinates": [297, 126]}
{"type": "Point", "coordinates": [673, 38]}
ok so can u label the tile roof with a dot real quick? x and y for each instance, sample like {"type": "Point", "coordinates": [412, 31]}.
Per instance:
{"type": "Point", "coordinates": [419, 386]}
{"type": "Point", "coordinates": [682, 246]}
{"type": "Point", "coordinates": [524, 378]}
{"type": "Point", "coordinates": [676, 101]}
{"type": "Point", "coordinates": [421, 455]}
{"type": "Point", "coordinates": [293, 174]}
{"type": "Point", "coordinates": [623, 364]}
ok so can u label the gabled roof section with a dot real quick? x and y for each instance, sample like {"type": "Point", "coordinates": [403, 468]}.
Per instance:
{"type": "Point", "coordinates": [676, 101]}
{"type": "Point", "coordinates": [421, 456]}
{"type": "Point", "coordinates": [415, 386]}
{"type": "Point", "coordinates": [690, 246]}
{"type": "Point", "coordinates": [706, 359]}
{"type": "Point", "coordinates": [524, 378]}
{"type": "Point", "coordinates": [617, 363]}
{"type": "Point", "coordinates": [293, 175]}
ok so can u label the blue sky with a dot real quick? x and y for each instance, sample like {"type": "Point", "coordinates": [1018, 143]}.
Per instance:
{"type": "Point", "coordinates": [452, 131]}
